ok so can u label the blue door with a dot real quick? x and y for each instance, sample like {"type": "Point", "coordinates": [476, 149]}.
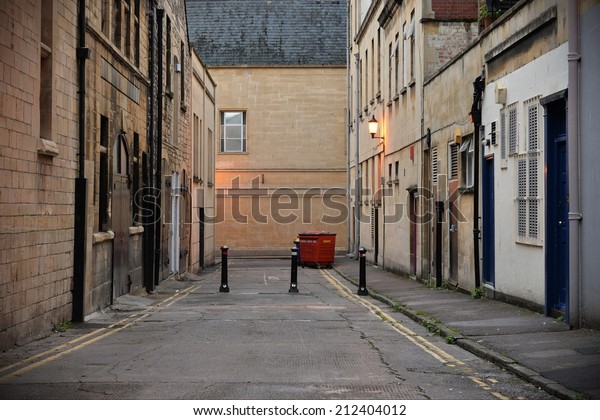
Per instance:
{"type": "Point", "coordinates": [488, 221]}
{"type": "Point", "coordinates": [557, 210]}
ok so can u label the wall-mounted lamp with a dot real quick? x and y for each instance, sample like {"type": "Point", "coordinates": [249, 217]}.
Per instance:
{"type": "Point", "coordinates": [373, 126]}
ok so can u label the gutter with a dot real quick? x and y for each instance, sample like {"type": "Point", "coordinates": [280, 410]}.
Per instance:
{"type": "Point", "coordinates": [79, 240]}
{"type": "Point", "coordinates": [573, 143]}
{"type": "Point", "coordinates": [160, 13]}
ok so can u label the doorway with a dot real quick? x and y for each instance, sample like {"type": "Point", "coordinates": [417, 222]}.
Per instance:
{"type": "Point", "coordinates": [557, 210]}
{"type": "Point", "coordinates": [489, 233]}
{"type": "Point", "coordinates": [120, 217]}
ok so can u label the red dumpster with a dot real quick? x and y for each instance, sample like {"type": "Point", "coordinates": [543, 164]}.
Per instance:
{"type": "Point", "coordinates": [317, 248]}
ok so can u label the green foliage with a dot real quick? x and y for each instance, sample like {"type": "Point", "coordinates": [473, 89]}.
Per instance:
{"type": "Point", "coordinates": [62, 327]}
{"type": "Point", "coordinates": [477, 293]}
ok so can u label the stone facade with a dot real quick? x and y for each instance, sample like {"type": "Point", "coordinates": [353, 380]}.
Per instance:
{"type": "Point", "coordinates": [38, 124]}
{"type": "Point", "coordinates": [287, 75]}
{"type": "Point", "coordinates": [92, 147]}
{"type": "Point", "coordinates": [396, 47]}
{"type": "Point", "coordinates": [203, 163]}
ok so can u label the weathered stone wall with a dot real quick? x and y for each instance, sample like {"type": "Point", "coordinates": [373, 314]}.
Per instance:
{"type": "Point", "coordinates": [36, 178]}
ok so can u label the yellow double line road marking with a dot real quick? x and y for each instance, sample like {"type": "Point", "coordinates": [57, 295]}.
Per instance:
{"type": "Point", "coordinates": [421, 342]}
{"type": "Point", "coordinates": [54, 353]}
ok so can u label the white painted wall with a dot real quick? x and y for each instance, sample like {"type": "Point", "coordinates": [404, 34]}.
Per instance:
{"type": "Point", "coordinates": [520, 270]}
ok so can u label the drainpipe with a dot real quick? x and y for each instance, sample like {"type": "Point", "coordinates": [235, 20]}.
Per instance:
{"type": "Point", "coordinates": [149, 230]}
{"type": "Point", "coordinates": [357, 180]}
{"type": "Point", "coordinates": [575, 217]}
{"type": "Point", "coordinates": [348, 130]}
{"type": "Point", "coordinates": [478, 87]}
{"type": "Point", "coordinates": [79, 242]}
{"type": "Point", "coordinates": [160, 13]}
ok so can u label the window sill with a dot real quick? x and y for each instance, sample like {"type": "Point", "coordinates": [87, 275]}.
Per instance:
{"type": "Point", "coordinates": [389, 104]}
{"type": "Point", "coordinates": [136, 230]}
{"type": "Point", "coordinates": [198, 180]}
{"type": "Point", "coordinates": [529, 242]}
{"type": "Point", "coordinates": [183, 107]}
{"type": "Point", "coordinates": [47, 148]}
{"type": "Point", "coordinates": [396, 97]}
{"type": "Point", "coordinates": [169, 94]}
{"type": "Point", "coordinates": [372, 102]}
{"type": "Point", "coordinates": [411, 83]}
{"type": "Point", "coordinates": [99, 237]}
{"type": "Point", "coordinates": [403, 91]}
{"type": "Point", "coordinates": [233, 153]}
{"type": "Point", "coordinates": [466, 190]}
{"type": "Point", "coordinates": [209, 184]}
{"type": "Point", "coordinates": [396, 181]}
{"type": "Point", "coordinates": [366, 110]}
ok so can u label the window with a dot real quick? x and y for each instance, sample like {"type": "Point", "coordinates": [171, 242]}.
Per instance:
{"type": "Point", "coordinates": [168, 55]}
{"type": "Point", "coordinates": [396, 60]}
{"type": "Point", "coordinates": [103, 175]}
{"type": "Point", "coordinates": [453, 160]}
{"type": "Point", "coordinates": [46, 73]}
{"type": "Point", "coordinates": [136, 33]}
{"type": "Point", "coordinates": [378, 60]}
{"type": "Point", "coordinates": [528, 176]}
{"type": "Point", "coordinates": [372, 68]}
{"type": "Point", "coordinates": [411, 34]}
{"type": "Point", "coordinates": [121, 23]}
{"type": "Point", "coordinates": [182, 74]}
{"type": "Point", "coordinates": [503, 134]}
{"type": "Point", "coordinates": [127, 29]}
{"type": "Point", "coordinates": [404, 55]}
{"type": "Point", "coordinates": [366, 78]}
{"type": "Point", "coordinates": [211, 161]}
{"type": "Point", "coordinates": [397, 171]}
{"type": "Point", "coordinates": [390, 69]}
{"type": "Point", "coordinates": [467, 161]}
{"type": "Point", "coordinates": [233, 131]}
{"type": "Point", "coordinates": [116, 23]}
{"type": "Point", "coordinates": [389, 172]}
{"type": "Point", "coordinates": [197, 158]}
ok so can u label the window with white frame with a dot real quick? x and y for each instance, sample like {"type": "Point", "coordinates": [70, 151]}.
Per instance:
{"type": "Point", "coordinates": [434, 165]}
{"type": "Point", "coordinates": [467, 161]}
{"type": "Point", "coordinates": [528, 176]}
{"type": "Point", "coordinates": [233, 131]}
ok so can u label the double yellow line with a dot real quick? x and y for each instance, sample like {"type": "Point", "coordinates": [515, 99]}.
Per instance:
{"type": "Point", "coordinates": [420, 341]}
{"type": "Point", "coordinates": [23, 366]}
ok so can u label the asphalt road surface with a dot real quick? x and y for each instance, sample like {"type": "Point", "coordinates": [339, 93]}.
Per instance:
{"type": "Point", "coordinates": [188, 341]}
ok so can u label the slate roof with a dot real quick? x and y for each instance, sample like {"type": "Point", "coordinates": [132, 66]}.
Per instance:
{"type": "Point", "coordinates": [268, 32]}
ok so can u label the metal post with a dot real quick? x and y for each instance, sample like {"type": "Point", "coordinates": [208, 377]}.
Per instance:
{"type": "Point", "coordinates": [224, 287]}
{"type": "Point", "coordinates": [438, 243]}
{"type": "Point", "coordinates": [362, 276]}
{"type": "Point", "coordinates": [294, 277]}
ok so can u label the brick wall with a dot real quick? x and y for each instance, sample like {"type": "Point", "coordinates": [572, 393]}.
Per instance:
{"type": "Point", "coordinates": [455, 9]}
{"type": "Point", "coordinates": [36, 190]}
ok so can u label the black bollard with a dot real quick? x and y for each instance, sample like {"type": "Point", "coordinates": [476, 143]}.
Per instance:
{"type": "Point", "coordinates": [294, 278]}
{"type": "Point", "coordinates": [224, 287]}
{"type": "Point", "coordinates": [362, 273]}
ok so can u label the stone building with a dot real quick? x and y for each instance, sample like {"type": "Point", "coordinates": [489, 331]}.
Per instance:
{"type": "Point", "coordinates": [396, 45]}
{"type": "Point", "coordinates": [280, 139]}
{"type": "Point", "coordinates": [203, 164]}
{"type": "Point", "coordinates": [38, 165]}
{"type": "Point", "coordinates": [96, 132]}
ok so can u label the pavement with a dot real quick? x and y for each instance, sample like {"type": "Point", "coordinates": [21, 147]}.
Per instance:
{"type": "Point", "coordinates": [539, 349]}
